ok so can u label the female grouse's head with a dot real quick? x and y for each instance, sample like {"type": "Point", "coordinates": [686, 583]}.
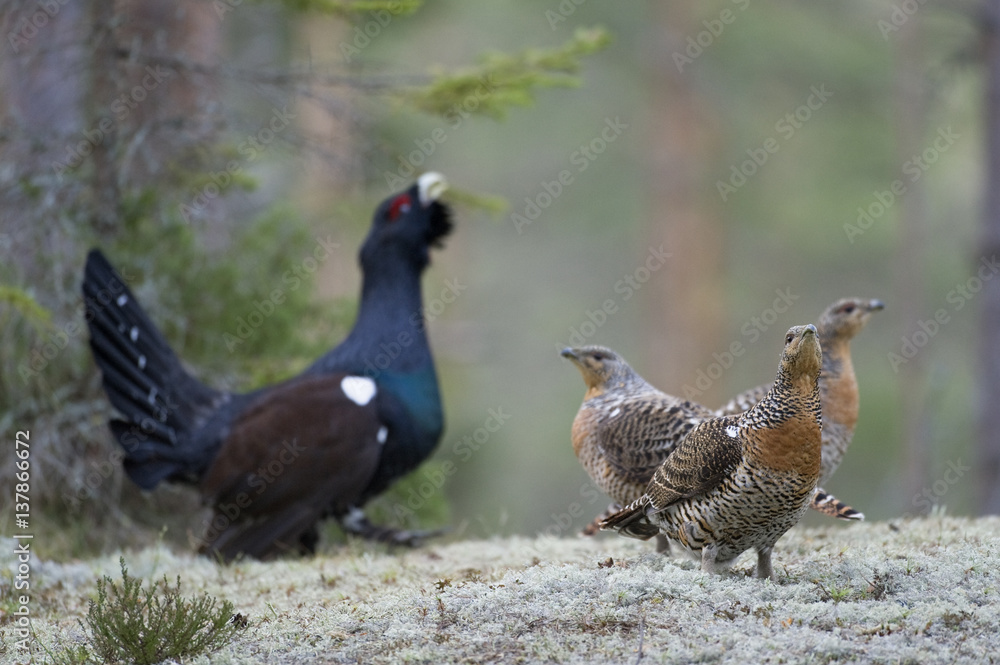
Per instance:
{"type": "Point", "coordinates": [602, 368]}
{"type": "Point", "coordinates": [802, 356]}
{"type": "Point", "coordinates": [845, 318]}
{"type": "Point", "coordinates": [406, 225]}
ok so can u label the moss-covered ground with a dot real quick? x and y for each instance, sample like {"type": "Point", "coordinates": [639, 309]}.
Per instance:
{"type": "Point", "coordinates": [914, 591]}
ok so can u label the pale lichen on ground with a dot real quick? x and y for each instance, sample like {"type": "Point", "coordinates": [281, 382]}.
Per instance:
{"type": "Point", "coordinates": [917, 591]}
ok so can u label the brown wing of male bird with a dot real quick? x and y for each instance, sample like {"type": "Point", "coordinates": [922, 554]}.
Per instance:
{"type": "Point", "coordinates": [637, 441]}
{"type": "Point", "coordinates": [703, 460]}
{"type": "Point", "coordinates": [300, 450]}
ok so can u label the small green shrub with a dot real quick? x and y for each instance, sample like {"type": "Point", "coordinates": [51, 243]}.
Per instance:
{"type": "Point", "coordinates": [136, 625]}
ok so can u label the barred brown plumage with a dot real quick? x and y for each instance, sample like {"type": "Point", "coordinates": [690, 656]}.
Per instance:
{"type": "Point", "coordinates": [838, 388]}
{"type": "Point", "coordinates": [625, 427]}
{"type": "Point", "coordinates": [740, 482]}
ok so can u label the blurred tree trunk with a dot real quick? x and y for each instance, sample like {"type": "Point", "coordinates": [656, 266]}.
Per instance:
{"type": "Point", "coordinates": [151, 86]}
{"type": "Point", "coordinates": [168, 58]}
{"type": "Point", "coordinates": [334, 129]}
{"type": "Point", "coordinates": [104, 84]}
{"type": "Point", "coordinates": [989, 323]}
{"type": "Point", "coordinates": [684, 304]}
{"type": "Point", "coordinates": [40, 115]}
{"type": "Point", "coordinates": [910, 111]}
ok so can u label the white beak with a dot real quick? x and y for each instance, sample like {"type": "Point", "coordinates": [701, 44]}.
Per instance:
{"type": "Point", "coordinates": [431, 185]}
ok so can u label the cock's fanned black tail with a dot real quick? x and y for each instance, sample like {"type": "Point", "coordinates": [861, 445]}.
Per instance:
{"type": "Point", "coordinates": [161, 403]}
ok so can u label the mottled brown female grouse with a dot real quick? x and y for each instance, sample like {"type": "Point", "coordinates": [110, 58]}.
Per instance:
{"type": "Point", "coordinates": [740, 482]}
{"type": "Point", "coordinates": [838, 389]}
{"type": "Point", "coordinates": [625, 427]}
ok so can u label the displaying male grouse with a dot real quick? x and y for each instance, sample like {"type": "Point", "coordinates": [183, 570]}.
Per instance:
{"type": "Point", "coordinates": [838, 389]}
{"type": "Point", "coordinates": [274, 461]}
{"type": "Point", "coordinates": [740, 482]}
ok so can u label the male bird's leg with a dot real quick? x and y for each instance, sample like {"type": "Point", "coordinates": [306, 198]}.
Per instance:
{"type": "Point", "coordinates": [595, 526]}
{"type": "Point", "coordinates": [356, 522]}
{"type": "Point", "coordinates": [764, 570]}
{"type": "Point", "coordinates": [662, 544]}
{"type": "Point", "coordinates": [308, 540]}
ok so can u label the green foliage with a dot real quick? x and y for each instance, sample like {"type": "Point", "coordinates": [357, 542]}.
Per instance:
{"type": "Point", "coordinates": [504, 80]}
{"type": "Point", "coordinates": [833, 592]}
{"type": "Point", "coordinates": [494, 205]}
{"type": "Point", "coordinates": [71, 655]}
{"type": "Point", "coordinates": [243, 313]}
{"type": "Point", "coordinates": [130, 624]}
{"type": "Point", "coordinates": [24, 304]}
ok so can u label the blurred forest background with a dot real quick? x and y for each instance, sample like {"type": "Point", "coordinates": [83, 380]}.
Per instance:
{"type": "Point", "coordinates": [676, 178]}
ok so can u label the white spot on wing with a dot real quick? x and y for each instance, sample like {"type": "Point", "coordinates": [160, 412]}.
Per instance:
{"type": "Point", "coordinates": [122, 299]}
{"type": "Point", "coordinates": [359, 389]}
{"type": "Point", "coordinates": [615, 412]}
{"type": "Point", "coordinates": [142, 362]}
{"type": "Point", "coordinates": [733, 431]}
{"type": "Point", "coordinates": [133, 334]}
{"type": "Point", "coordinates": [383, 434]}
{"type": "Point", "coordinates": [152, 395]}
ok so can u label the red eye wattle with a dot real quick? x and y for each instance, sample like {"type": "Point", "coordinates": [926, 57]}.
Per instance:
{"type": "Point", "coordinates": [399, 206]}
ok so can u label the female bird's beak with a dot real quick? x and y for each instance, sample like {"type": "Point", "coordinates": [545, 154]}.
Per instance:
{"type": "Point", "coordinates": [430, 186]}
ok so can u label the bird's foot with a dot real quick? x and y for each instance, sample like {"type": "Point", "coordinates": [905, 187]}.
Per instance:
{"type": "Point", "coordinates": [595, 526]}
{"type": "Point", "coordinates": [356, 523]}
{"type": "Point", "coordinates": [592, 528]}
{"type": "Point", "coordinates": [764, 569]}
{"type": "Point", "coordinates": [709, 553]}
